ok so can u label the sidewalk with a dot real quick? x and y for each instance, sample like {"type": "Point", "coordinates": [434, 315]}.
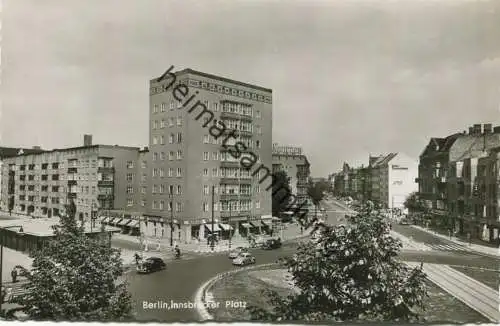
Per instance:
{"type": "Point", "coordinates": [471, 292]}
{"type": "Point", "coordinates": [408, 243]}
{"type": "Point", "coordinates": [492, 251]}
{"type": "Point", "coordinates": [11, 259]}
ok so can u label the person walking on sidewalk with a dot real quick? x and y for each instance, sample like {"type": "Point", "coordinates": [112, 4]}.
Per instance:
{"type": "Point", "coordinates": [14, 275]}
{"type": "Point", "coordinates": [137, 258]}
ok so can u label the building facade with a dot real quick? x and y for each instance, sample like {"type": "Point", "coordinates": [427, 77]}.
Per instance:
{"type": "Point", "coordinates": [291, 160]}
{"type": "Point", "coordinates": [393, 179]}
{"type": "Point", "coordinates": [96, 177]}
{"type": "Point", "coordinates": [470, 156]}
{"type": "Point", "coordinates": [198, 123]}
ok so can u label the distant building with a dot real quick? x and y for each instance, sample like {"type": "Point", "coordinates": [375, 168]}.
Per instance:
{"type": "Point", "coordinates": [6, 152]}
{"type": "Point", "coordinates": [393, 179]}
{"type": "Point", "coordinates": [295, 164]}
{"type": "Point", "coordinates": [96, 177]}
{"type": "Point", "coordinates": [341, 181]}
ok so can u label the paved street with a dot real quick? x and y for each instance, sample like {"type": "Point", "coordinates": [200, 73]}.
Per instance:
{"type": "Point", "coordinates": [181, 279]}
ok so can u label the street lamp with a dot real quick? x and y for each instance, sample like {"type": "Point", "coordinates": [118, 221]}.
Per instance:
{"type": "Point", "coordinates": [21, 231]}
{"type": "Point", "coordinates": [171, 196]}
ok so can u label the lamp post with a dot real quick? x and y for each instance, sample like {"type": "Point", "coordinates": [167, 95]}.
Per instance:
{"type": "Point", "coordinates": [212, 237]}
{"type": "Point", "coordinates": [21, 231]}
{"type": "Point", "coordinates": [171, 196]}
{"type": "Point", "coordinates": [229, 223]}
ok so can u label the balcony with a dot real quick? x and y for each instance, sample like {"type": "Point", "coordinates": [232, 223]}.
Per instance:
{"type": "Point", "coordinates": [105, 183]}
{"type": "Point", "coordinates": [227, 213]}
{"type": "Point", "coordinates": [72, 170]}
{"type": "Point", "coordinates": [235, 196]}
{"type": "Point", "coordinates": [72, 195]}
{"type": "Point", "coordinates": [104, 196]}
{"type": "Point", "coordinates": [104, 169]}
{"type": "Point", "coordinates": [230, 164]}
{"type": "Point", "coordinates": [237, 116]}
{"type": "Point", "coordinates": [235, 180]}
{"type": "Point", "coordinates": [72, 182]}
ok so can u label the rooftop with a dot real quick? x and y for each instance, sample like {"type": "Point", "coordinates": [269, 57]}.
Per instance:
{"type": "Point", "coordinates": [14, 151]}
{"type": "Point", "coordinates": [223, 79]}
{"type": "Point", "coordinates": [42, 227]}
{"type": "Point", "coordinates": [78, 148]}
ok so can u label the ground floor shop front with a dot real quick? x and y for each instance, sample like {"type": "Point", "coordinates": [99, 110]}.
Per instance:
{"type": "Point", "coordinates": [189, 231]}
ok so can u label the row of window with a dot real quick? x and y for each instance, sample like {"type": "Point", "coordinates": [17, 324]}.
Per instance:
{"type": "Point", "coordinates": [160, 172]}
{"type": "Point", "coordinates": [222, 189]}
{"type": "Point", "coordinates": [171, 139]}
{"type": "Point", "coordinates": [170, 122]}
{"type": "Point", "coordinates": [34, 199]}
{"type": "Point", "coordinates": [222, 206]}
{"type": "Point", "coordinates": [231, 107]}
{"type": "Point", "coordinates": [171, 155]}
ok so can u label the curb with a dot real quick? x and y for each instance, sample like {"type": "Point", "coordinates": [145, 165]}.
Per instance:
{"type": "Point", "coordinates": [199, 298]}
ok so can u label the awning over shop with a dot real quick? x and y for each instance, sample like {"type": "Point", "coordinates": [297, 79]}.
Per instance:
{"type": "Point", "coordinates": [124, 222]}
{"type": "Point", "coordinates": [133, 224]}
{"type": "Point", "coordinates": [276, 218]}
{"type": "Point", "coordinates": [266, 222]}
{"type": "Point", "coordinates": [288, 213]}
{"type": "Point", "coordinates": [215, 229]}
{"type": "Point", "coordinates": [105, 220]}
{"type": "Point", "coordinates": [116, 221]}
{"type": "Point", "coordinates": [225, 227]}
{"type": "Point", "coordinates": [246, 225]}
{"type": "Point", "coordinates": [113, 220]}
{"type": "Point", "coordinates": [266, 217]}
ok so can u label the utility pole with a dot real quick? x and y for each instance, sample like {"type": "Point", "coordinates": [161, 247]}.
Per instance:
{"type": "Point", "coordinates": [171, 196]}
{"type": "Point", "coordinates": [229, 223]}
{"type": "Point", "coordinates": [212, 236]}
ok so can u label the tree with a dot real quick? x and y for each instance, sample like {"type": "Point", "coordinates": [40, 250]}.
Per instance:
{"type": "Point", "coordinates": [414, 204]}
{"type": "Point", "coordinates": [280, 193]}
{"type": "Point", "coordinates": [349, 273]}
{"type": "Point", "coordinates": [316, 192]}
{"type": "Point", "coordinates": [74, 278]}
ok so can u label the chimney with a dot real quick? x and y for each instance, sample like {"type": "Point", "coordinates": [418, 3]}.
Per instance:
{"type": "Point", "coordinates": [488, 128]}
{"type": "Point", "coordinates": [496, 130]}
{"type": "Point", "coordinates": [87, 140]}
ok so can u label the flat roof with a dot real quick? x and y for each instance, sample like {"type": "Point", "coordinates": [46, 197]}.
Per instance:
{"type": "Point", "coordinates": [42, 227]}
{"type": "Point", "coordinates": [224, 79]}
{"type": "Point", "coordinates": [79, 147]}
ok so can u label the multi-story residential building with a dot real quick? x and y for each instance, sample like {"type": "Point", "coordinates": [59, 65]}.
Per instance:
{"type": "Point", "coordinates": [341, 182]}
{"type": "Point", "coordinates": [432, 171]}
{"type": "Point", "coordinates": [392, 179]}
{"type": "Point", "coordinates": [9, 152]}
{"type": "Point", "coordinates": [202, 129]}
{"type": "Point", "coordinates": [464, 205]}
{"type": "Point", "coordinates": [291, 160]}
{"type": "Point", "coordinates": [486, 193]}
{"type": "Point", "coordinates": [96, 177]}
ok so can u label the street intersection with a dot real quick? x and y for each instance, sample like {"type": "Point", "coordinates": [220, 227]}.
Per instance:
{"type": "Point", "coordinates": [180, 281]}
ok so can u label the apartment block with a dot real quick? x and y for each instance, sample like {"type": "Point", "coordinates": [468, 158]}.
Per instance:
{"type": "Point", "coordinates": [291, 160]}
{"type": "Point", "coordinates": [392, 179]}
{"type": "Point", "coordinates": [202, 126]}
{"type": "Point", "coordinates": [96, 177]}
{"type": "Point", "coordinates": [6, 152]}
{"type": "Point", "coordinates": [470, 156]}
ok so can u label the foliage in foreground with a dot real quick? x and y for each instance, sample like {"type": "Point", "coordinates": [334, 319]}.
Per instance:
{"type": "Point", "coordinates": [73, 278]}
{"type": "Point", "coordinates": [280, 193]}
{"type": "Point", "coordinates": [349, 273]}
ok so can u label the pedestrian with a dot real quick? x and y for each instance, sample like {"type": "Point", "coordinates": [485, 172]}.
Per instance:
{"type": "Point", "coordinates": [14, 275]}
{"type": "Point", "coordinates": [469, 238]}
{"type": "Point", "coordinates": [3, 294]}
{"type": "Point", "coordinates": [137, 258]}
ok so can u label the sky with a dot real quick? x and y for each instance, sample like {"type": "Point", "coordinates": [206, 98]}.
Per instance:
{"type": "Point", "coordinates": [349, 78]}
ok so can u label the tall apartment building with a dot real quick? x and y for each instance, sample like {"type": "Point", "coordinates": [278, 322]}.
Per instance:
{"type": "Point", "coordinates": [197, 121]}
{"type": "Point", "coordinates": [96, 177]}
{"type": "Point", "coordinates": [291, 160]}
{"type": "Point", "coordinates": [6, 152]}
{"type": "Point", "coordinates": [392, 179]}
{"type": "Point", "coordinates": [463, 179]}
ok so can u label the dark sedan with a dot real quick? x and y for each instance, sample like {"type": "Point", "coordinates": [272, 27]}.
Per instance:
{"type": "Point", "coordinates": [272, 244]}
{"type": "Point", "coordinates": [150, 265]}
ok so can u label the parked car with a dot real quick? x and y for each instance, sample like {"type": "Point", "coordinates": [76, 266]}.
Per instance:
{"type": "Point", "coordinates": [236, 252]}
{"type": "Point", "coordinates": [404, 221]}
{"type": "Point", "coordinates": [272, 244]}
{"type": "Point", "coordinates": [244, 259]}
{"type": "Point", "coordinates": [150, 265]}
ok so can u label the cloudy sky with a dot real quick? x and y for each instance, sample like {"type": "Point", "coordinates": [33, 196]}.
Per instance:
{"type": "Point", "coordinates": [348, 78]}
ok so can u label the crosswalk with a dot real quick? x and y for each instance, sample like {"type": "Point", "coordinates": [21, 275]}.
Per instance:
{"type": "Point", "coordinates": [447, 247]}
